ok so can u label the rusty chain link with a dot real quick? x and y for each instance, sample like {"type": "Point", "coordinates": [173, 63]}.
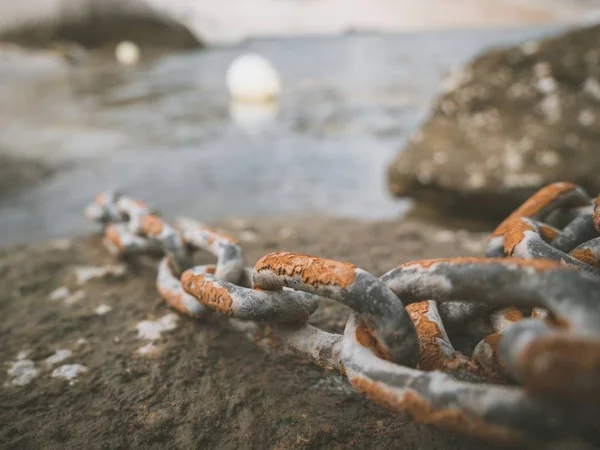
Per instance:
{"type": "Point", "coordinates": [536, 376]}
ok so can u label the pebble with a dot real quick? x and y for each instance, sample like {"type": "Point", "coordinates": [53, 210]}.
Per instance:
{"type": "Point", "coordinates": [103, 309]}
{"type": "Point", "coordinates": [22, 372]}
{"type": "Point", "coordinates": [149, 350]}
{"type": "Point", "coordinates": [152, 330]}
{"type": "Point", "coordinates": [59, 293]}
{"type": "Point", "coordinates": [76, 297]}
{"type": "Point", "coordinates": [248, 236]}
{"type": "Point", "coordinates": [59, 356]}
{"type": "Point", "coordinates": [87, 273]}
{"type": "Point", "coordinates": [69, 372]}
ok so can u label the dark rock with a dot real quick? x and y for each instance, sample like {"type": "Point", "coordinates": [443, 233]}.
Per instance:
{"type": "Point", "coordinates": [512, 121]}
{"type": "Point", "coordinates": [94, 24]}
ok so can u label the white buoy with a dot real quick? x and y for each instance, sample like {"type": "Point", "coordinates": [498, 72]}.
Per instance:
{"type": "Point", "coordinates": [127, 53]}
{"type": "Point", "coordinates": [252, 78]}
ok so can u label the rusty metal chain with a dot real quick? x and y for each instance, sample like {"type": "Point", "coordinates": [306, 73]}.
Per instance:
{"type": "Point", "coordinates": [536, 376]}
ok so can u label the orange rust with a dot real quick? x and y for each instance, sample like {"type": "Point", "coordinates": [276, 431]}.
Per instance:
{"type": "Point", "coordinates": [214, 234]}
{"type": "Point", "coordinates": [549, 318]}
{"type": "Point", "coordinates": [172, 266]}
{"type": "Point", "coordinates": [540, 313]}
{"type": "Point", "coordinates": [560, 321]}
{"type": "Point", "coordinates": [151, 225]}
{"type": "Point", "coordinates": [421, 410]}
{"type": "Point", "coordinates": [365, 336]}
{"type": "Point", "coordinates": [513, 315]}
{"type": "Point", "coordinates": [494, 371]}
{"type": "Point", "coordinates": [547, 232]}
{"type": "Point", "coordinates": [587, 256]}
{"type": "Point", "coordinates": [172, 298]}
{"type": "Point", "coordinates": [538, 264]}
{"type": "Point", "coordinates": [139, 204]}
{"type": "Point", "coordinates": [535, 204]}
{"type": "Point", "coordinates": [312, 270]}
{"type": "Point", "coordinates": [562, 365]}
{"type": "Point", "coordinates": [112, 235]}
{"type": "Point", "coordinates": [431, 356]}
{"type": "Point", "coordinates": [100, 199]}
{"type": "Point", "coordinates": [515, 233]}
{"type": "Point", "coordinates": [209, 294]}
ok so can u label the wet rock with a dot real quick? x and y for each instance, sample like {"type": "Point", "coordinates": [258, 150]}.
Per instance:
{"type": "Point", "coordinates": [509, 123]}
{"type": "Point", "coordinates": [93, 23]}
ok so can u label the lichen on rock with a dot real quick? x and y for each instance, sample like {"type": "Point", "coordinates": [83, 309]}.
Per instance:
{"type": "Point", "coordinates": [511, 121]}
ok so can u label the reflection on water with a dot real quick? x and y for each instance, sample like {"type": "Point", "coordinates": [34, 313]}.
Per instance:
{"type": "Point", "coordinates": [164, 132]}
{"type": "Point", "coordinates": [254, 118]}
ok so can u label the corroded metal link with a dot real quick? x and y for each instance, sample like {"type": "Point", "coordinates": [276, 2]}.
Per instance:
{"type": "Point", "coordinates": [154, 228]}
{"type": "Point", "coordinates": [559, 364]}
{"type": "Point", "coordinates": [119, 240]}
{"type": "Point", "coordinates": [399, 321]}
{"type": "Point", "coordinates": [141, 222]}
{"type": "Point", "coordinates": [579, 230]}
{"type": "Point", "coordinates": [282, 306]}
{"type": "Point", "coordinates": [436, 350]}
{"type": "Point", "coordinates": [547, 199]}
{"type": "Point", "coordinates": [318, 346]}
{"type": "Point", "coordinates": [104, 209]}
{"type": "Point", "coordinates": [523, 240]}
{"type": "Point", "coordinates": [133, 210]}
{"type": "Point", "coordinates": [230, 259]}
{"type": "Point", "coordinates": [588, 252]}
{"type": "Point", "coordinates": [456, 314]}
{"type": "Point", "coordinates": [495, 413]}
{"type": "Point", "coordinates": [559, 218]}
{"type": "Point", "coordinates": [487, 353]}
{"type": "Point", "coordinates": [387, 326]}
{"type": "Point", "coordinates": [547, 232]}
{"type": "Point", "coordinates": [170, 289]}
{"type": "Point", "coordinates": [570, 295]}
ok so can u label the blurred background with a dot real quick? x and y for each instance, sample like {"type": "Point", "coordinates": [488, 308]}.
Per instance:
{"type": "Point", "coordinates": [150, 97]}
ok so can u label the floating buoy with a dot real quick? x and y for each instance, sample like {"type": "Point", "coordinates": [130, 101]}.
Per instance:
{"type": "Point", "coordinates": [127, 53]}
{"type": "Point", "coordinates": [252, 78]}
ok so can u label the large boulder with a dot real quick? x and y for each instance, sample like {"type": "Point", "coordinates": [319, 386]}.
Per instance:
{"type": "Point", "coordinates": [94, 23]}
{"type": "Point", "coordinates": [511, 121]}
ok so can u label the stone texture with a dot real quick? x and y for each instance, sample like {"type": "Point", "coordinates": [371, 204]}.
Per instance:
{"type": "Point", "coordinates": [511, 121]}
{"type": "Point", "coordinates": [94, 23]}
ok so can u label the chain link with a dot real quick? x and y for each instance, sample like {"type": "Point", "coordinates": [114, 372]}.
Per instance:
{"type": "Point", "coordinates": [537, 375]}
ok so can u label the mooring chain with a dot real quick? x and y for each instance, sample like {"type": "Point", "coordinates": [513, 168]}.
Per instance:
{"type": "Point", "coordinates": [538, 289]}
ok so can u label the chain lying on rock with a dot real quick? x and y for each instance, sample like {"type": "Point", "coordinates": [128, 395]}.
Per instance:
{"type": "Point", "coordinates": [539, 287]}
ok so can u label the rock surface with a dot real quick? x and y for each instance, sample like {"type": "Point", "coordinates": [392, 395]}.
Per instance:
{"type": "Point", "coordinates": [93, 23]}
{"type": "Point", "coordinates": [139, 376]}
{"type": "Point", "coordinates": [509, 123]}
